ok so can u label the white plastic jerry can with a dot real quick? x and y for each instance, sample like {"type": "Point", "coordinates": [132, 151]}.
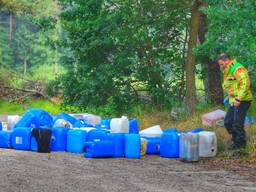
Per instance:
{"type": "Point", "coordinates": [119, 125]}
{"type": "Point", "coordinates": [207, 144]}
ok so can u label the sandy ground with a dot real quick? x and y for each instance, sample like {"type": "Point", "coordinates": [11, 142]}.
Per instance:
{"type": "Point", "coordinates": [30, 171]}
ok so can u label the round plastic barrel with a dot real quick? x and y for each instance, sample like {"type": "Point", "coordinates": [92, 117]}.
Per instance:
{"type": "Point", "coordinates": [75, 140]}
{"type": "Point", "coordinates": [65, 118]}
{"type": "Point", "coordinates": [132, 146]}
{"type": "Point", "coordinates": [59, 139]}
{"type": "Point", "coordinates": [28, 120]}
{"type": "Point", "coordinates": [44, 117]}
{"type": "Point", "coordinates": [5, 139]}
{"type": "Point", "coordinates": [21, 138]}
{"type": "Point", "coordinates": [118, 140]}
{"type": "Point", "coordinates": [169, 145]}
{"type": "Point", "coordinates": [133, 123]}
{"type": "Point", "coordinates": [97, 134]}
{"type": "Point", "coordinates": [153, 145]}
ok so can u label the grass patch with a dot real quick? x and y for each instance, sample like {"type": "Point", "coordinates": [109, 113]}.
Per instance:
{"type": "Point", "coordinates": [11, 108]}
{"type": "Point", "coordinates": [19, 108]}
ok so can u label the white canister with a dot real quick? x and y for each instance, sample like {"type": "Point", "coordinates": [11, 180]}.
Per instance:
{"type": "Point", "coordinates": [119, 125]}
{"type": "Point", "coordinates": [207, 144]}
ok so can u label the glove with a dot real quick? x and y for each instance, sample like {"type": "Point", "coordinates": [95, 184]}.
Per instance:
{"type": "Point", "coordinates": [226, 101]}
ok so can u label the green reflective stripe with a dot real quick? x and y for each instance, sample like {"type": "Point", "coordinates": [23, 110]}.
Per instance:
{"type": "Point", "coordinates": [234, 67]}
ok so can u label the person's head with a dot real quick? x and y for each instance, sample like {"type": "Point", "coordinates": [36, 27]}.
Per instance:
{"type": "Point", "coordinates": [224, 59]}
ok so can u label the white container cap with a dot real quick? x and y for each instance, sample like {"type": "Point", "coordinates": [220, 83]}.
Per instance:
{"type": "Point", "coordinates": [154, 131]}
{"type": "Point", "coordinates": [87, 129]}
{"type": "Point", "coordinates": [206, 133]}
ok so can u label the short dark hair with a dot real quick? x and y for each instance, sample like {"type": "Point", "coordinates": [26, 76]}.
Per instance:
{"type": "Point", "coordinates": [223, 56]}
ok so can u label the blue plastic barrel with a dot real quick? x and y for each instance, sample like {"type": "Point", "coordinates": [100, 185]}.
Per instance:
{"type": "Point", "coordinates": [97, 134]}
{"type": "Point", "coordinates": [28, 120]}
{"type": "Point", "coordinates": [118, 140]}
{"type": "Point", "coordinates": [133, 126]}
{"type": "Point", "coordinates": [59, 139]}
{"type": "Point", "coordinates": [21, 138]}
{"type": "Point", "coordinates": [169, 145]}
{"type": "Point", "coordinates": [132, 146]}
{"type": "Point", "coordinates": [99, 149]}
{"type": "Point", "coordinates": [33, 144]}
{"type": "Point", "coordinates": [35, 118]}
{"type": "Point", "coordinates": [43, 116]}
{"type": "Point", "coordinates": [72, 120]}
{"type": "Point", "coordinates": [153, 145]}
{"type": "Point", "coordinates": [5, 139]}
{"type": "Point", "coordinates": [75, 140]}
{"type": "Point", "coordinates": [1, 126]}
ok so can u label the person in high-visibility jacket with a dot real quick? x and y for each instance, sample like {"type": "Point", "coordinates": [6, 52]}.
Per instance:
{"type": "Point", "coordinates": [237, 85]}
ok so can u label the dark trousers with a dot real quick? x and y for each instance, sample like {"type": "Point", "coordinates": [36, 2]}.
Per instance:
{"type": "Point", "coordinates": [43, 139]}
{"type": "Point", "coordinates": [234, 123]}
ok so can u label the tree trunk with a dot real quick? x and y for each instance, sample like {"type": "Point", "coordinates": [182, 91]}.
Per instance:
{"type": "Point", "coordinates": [190, 64]}
{"type": "Point", "coordinates": [212, 80]}
{"type": "Point", "coordinates": [10, 27]}
{"type": "Point", "coordinates": [183, 81]}
{"type": "Point", "coordinates": [25, 65]}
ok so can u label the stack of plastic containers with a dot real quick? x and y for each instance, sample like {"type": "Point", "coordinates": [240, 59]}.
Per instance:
{"type": "Point", "coordinates": [117, 137]}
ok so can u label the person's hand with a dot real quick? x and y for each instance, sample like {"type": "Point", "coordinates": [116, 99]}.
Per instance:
{"type": "Point", "coordinates": [237, 103]}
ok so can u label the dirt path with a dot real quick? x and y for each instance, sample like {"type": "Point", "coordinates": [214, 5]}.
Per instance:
{"type": "Point", "coordinates": [28, 171]}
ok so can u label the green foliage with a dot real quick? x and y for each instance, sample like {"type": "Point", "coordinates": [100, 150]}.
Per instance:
{"type": "Point", "coordinates": [10, 108]}
{"type": "Point", "coordinates": [252, 109]}
{"type": "Point", "coordinates": [29, 35]}
{"type": "Point", "coordinates": [231, 28]}
{"type": "Point", "coordinates": [46, 73]}
{"type": "Point", "coordinates": [118, 44]}
{"type": "Point", "coordinates": [7, 107]}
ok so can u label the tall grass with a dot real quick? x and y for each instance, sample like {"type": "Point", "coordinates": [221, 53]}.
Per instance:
{"type": "Point", "coordinates": [17, 108]}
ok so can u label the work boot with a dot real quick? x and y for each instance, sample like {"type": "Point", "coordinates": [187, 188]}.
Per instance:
{"type": "Point", "coordinates": [239, 152]}
{"type": "Point", "coordinates": [232, 147]}
{"type": "Point", "coordinates": [235, 146]}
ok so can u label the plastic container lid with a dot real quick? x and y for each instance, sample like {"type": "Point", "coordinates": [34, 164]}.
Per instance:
{"type": "Point", "coordinates": [154, 131]}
